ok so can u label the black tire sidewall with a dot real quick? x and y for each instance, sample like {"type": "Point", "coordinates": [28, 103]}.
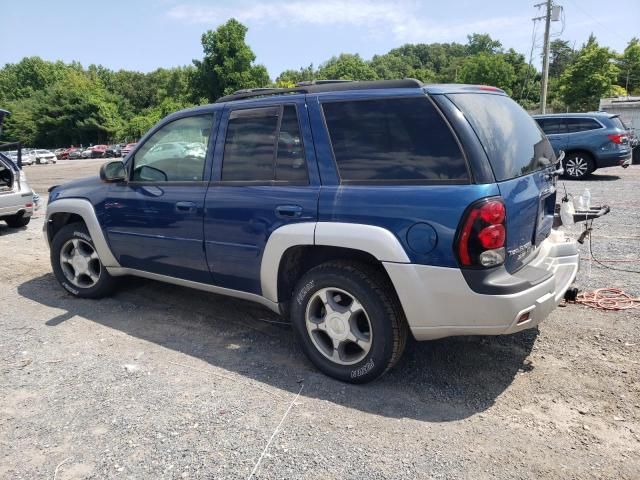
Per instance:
{"type": "Point", "coordinates": [17, 221]}
{"type": "Point", "coordinates": [77, 230]}
{"type": "Point", "coordinates": [377, 360]}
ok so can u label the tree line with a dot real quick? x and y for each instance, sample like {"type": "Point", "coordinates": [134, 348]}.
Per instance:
{"type": "Point", "coordinates": [60, 104]}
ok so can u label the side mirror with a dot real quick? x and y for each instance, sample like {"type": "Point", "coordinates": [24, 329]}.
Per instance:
{"type": "Point", "coordinates": [113, 172]}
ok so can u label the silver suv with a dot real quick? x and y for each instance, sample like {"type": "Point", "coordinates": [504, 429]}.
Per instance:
{"type": "Point", "coordinates": [16, 196]}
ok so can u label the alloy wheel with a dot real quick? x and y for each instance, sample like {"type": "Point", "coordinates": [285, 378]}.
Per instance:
{"type": "Point", "coordinates": [338, 326]}
{"type": "Point", "coordinates": [576, 166]}
{"type": "Point", "coordinates": [80, 263]}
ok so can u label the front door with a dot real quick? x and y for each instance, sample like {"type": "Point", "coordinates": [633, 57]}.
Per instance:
{"type": "Point", "coordinates": [266, 177]}
{"type": "Point", "coordinates": [154, 221]}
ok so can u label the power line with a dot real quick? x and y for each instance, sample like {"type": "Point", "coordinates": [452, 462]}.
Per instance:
{"type": "Point", "coordinates": [586, 13]}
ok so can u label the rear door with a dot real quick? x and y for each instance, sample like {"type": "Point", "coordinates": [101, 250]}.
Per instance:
{"type": "Point", "coordinates": [265, 177]}
{"type": "Point", "coordinates": [521, 158]}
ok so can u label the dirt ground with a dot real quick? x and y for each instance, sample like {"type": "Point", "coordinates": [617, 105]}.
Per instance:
{"type": "Point", "coordinates": [164, 382]}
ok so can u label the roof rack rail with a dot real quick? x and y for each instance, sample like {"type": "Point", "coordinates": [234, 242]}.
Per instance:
{"type": "Point", "coordinates": [323, 86]}
{"type": "Point", "coordinates": [307, 83]}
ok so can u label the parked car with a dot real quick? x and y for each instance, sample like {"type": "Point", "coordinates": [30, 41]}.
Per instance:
{"type": "Point", "coordinates": [64, 153]}
{"type": "Point", "coordinates": [74, 153]}
{"type": "Point", "coordinates": [114, 150]}
{"type": "Point", "coordinates": [99, 151]}
{"type": "Point", "coordinates": [16, 196]}
{"type": "Point", "coordinates": [589, 140]}
{"type": "Point", "coordinates": [28, 157]}
{"type": "Point", "coordinates": [127, 149]}
{"type": "Point", "coordinates": [44, 156]}
{"type": "Point", "coordinates": [364, 211]}
{"type": "Point", "coordinates": [59, 152]}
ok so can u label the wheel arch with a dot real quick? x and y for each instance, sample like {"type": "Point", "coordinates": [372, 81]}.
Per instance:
{"type": "Point", "coordinates": [68, 210]}
{"type": "Point", "coordinates": [293, 249]}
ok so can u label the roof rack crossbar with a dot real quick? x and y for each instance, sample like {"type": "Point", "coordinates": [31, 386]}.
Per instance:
{"type": "Point", "coordinates": [317, 86]}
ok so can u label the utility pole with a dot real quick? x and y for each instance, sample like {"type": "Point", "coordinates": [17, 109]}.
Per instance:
{"type": "Point", "coordinates": [545, 57]}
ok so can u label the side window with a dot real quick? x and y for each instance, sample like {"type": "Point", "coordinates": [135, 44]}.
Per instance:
{"type": "Point", "coordinates": [175, 153]}
{"type": "Point", "coordinates": [399, 139]}
{"type": "Point", "coordinates": [264, 144]}
{"type": "Point", "coordinates": [290, 164]}
{"type": "Point", "coordinates": [582, 124]}
{"type": "Point", "coordinates": [552, 126]}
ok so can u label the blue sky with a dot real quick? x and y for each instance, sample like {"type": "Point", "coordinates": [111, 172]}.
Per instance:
{"type": "Point", "coordinates": [146, 34]}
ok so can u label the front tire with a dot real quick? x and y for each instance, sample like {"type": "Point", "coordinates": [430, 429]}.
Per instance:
{"type": "Point", "coordinates": [17, 221]}
{"type": "Point", "coordinates": [578, 165]}
{"type": "Point", "coordinates": [349, 321]}
{"type": "Point", "coordinates": [76, 264]}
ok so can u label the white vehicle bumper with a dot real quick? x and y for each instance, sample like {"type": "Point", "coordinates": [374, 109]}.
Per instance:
{"type": "Point", "coordinates": [438, 301]}
{"type": "Point", "coordinates": [13, 203]}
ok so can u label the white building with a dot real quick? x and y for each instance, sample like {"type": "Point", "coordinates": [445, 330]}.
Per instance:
{"type": "Point", "coordinates": [627, 107]}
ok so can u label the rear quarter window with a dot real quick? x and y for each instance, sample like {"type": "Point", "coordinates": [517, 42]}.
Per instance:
{"type": "Point", "coordinates": [576, 125]}
{"type": "Point", "coordinates": [393, 140]}
{"type": "Point", "coordinates": [514, 143]}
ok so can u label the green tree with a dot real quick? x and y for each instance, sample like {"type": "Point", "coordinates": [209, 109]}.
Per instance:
{"type": "Point", "coordinates": [76, 110]}
{"type": "Point", "coordinates": [589, 78]}
{"type": "Point", "coordinates": [482, 43]}
{"type": "Point", "coordinates": [29, 75]}
{"type": "Point", "coordinates": [228, 63]}
{"type": "Point", "coordinates": [488, 69]}
{"type": "Point", "coordinates": [346, 66]}
{"type": "Point", "coordinates": [630, 67]}
{"type": "Point", "coordinates": [289, 78]}
{"type": "Point", "coordinates": [561, 55]}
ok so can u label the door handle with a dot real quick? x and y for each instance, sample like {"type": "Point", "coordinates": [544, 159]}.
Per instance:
{"type": "Point", "coordinates": [288, 211]}
{"type": "Point", "coordinates": [185, 206]}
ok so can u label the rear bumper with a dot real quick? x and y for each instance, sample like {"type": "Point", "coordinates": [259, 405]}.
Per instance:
{"type": "Point", "coordinates": [623, 159]}
{"type": "Point", "coordinates": [438, 301]}
{"type": "Point", "coordinates": [15, 203]}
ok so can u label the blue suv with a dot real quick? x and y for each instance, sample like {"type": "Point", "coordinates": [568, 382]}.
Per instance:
{"type": "Point", "coordinates": [364, 211]}
{"type": "Point", "coordinates": [589, 140]}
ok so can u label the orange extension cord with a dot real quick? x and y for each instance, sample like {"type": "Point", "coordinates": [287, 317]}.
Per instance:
{"type": "Point", "coordinates": [608, 299]}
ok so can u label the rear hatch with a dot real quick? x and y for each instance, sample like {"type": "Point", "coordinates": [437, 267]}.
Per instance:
{"type": "Point", "coordinates": [521, 158]}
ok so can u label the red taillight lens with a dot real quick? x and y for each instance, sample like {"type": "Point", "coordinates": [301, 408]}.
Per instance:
{"type": "Point", "coordinates": [492, 212]}
{"type": "Point", "coordinates": [618, 138]}
{"type": "Point", "coordinates": [482, 234]}
{"type": "Point", "coordinates": [492, 237]}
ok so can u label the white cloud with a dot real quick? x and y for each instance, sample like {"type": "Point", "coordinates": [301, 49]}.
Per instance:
{"type": "Point", "coordinates": [401, 18]}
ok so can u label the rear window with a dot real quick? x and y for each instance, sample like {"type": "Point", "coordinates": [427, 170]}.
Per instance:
{"type": "Point", "coordinates": [513, 141]}
{"type": "Point", "coordinates": [618, 123]}
{"type": "Point", "coordinates": [393, 140]}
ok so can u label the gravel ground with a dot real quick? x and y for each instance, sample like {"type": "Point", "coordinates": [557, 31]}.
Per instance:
{"type": "Point", "coordinates": [165, 382]}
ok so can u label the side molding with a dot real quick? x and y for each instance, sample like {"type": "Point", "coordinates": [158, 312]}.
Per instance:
{"type": "Point", "coordinates": [205, 287]}
{"type": "Point", "coordinates": [84, 208]}
{"type": "Point", "coordinates": [279, 242]}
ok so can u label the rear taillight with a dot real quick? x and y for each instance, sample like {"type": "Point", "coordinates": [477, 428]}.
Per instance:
{"type": "Point", "coordinates": [618, 138]}
{"type": "Point", "coordinates": [482, 235]}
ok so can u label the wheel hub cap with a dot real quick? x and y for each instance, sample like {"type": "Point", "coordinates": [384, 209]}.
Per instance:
{"type": "Point", "coordinates": [337, 327]}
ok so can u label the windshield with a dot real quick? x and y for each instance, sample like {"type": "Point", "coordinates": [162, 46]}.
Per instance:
{"type": "Point", "coordinates": [511, 138]}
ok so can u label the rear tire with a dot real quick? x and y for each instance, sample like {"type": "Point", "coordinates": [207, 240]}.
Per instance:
{"type": "Point", "coordinates": [578, 165]}
{"type": "Point", "coordinates": [17, 221]}
{"type": "Point", "coordinates": [76, 264]}
{"type": "Point", "coordinates": [349, 321]}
